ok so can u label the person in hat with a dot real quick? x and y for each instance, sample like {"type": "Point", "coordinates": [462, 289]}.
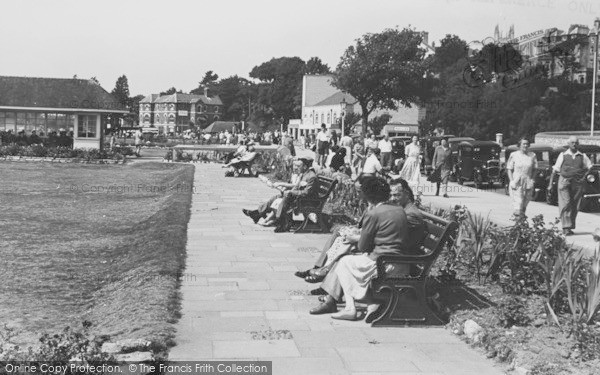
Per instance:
{"type": "Point", "coordinates": [571, 166]}
{"type": "Point", "coordinates": [306, 187]}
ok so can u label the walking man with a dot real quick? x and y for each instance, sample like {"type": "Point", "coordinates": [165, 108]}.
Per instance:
{"type": "Point", "coordinates": [442, 165]}
{"type": "Point", "coordinates": [385, 145]}
{"type": "Point", "coordinates": [571, 165]}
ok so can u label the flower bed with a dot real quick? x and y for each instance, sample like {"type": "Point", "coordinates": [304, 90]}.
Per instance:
{"type": "Point", "coordinates": [63, 154]}
{"type": "Point", "coordinates": [544, 296]}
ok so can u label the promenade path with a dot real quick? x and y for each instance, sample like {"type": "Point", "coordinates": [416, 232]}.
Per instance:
{"type": "Point", "coordinates": [241, 300]}
{"type": "Point", "coordinates": [499, 209]}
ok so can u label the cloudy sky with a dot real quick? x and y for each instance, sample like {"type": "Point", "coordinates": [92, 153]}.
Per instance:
{"type": "Point", "coordinates": [159, 44]}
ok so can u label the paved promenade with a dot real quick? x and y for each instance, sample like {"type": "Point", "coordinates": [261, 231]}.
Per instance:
{"type": "Point", "coordinates": [498, 207]}
{"type": "Point", "coordinates": [240, 300]}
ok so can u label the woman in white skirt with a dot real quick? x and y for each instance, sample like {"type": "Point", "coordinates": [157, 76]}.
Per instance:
{"type": "Point", "coordinates": [411, 170]}
{"type": "Point", "coordinates": [384, 231]}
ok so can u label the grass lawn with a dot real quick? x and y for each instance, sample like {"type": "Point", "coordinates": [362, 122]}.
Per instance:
{"type": "Point", "coordinates": [93, 242]}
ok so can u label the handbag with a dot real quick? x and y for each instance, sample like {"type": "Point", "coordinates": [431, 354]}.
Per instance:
{"type": "Point", "coordinates": [435, 176]}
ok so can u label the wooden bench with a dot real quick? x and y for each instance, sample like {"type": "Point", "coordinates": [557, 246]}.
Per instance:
{"type": "Point", "coordinates": [241, 166]}
{"type": "Point", "coordinates": [307, 206]}
{"type": "Point", "coordinates": [403, 297]}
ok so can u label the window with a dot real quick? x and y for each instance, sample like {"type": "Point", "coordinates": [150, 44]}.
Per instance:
{"type": "Point", "coordinates": [51, 122]}
{"type": "Point", "coordinates": [171, 119]}
{"type": "Point", "coordinates": [2, 124]}
{"type": "Point", "coordinates": [86, 126]}
{"type": "Point", "coordinates": [216, 109]}
{"type": "Point", "coordinates": [328, 118]}
{"type": "Point", "coordinates": [21, 121]}
{"type": "Point", "coordinates": [40, 122]}
{"type": "Point", "coordinates": [10, 121]}
{"type": "Point", "coordinates": [146, 117]}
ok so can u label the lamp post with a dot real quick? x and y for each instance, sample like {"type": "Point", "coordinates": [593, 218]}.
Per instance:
{"type": "Point", "coordinates": [343, 113]}
{"type": "Point", "coordinates": [594, 33]}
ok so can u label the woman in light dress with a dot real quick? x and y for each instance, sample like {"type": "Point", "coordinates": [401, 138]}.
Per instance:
{"type": "Point", "coordinates": [411, 171]}
{"type": "Point", "coordinates": [521, 168]}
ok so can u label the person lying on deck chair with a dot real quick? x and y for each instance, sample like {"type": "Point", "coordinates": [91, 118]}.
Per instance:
{"type": "Point", "coordinates": [246, 157]}
{"type": "Point", "coordinates": [344, 238]}
{"type": "Point", "coordinates": [308, 187]}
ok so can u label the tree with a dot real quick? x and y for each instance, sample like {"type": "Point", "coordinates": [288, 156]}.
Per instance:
{"type": "Point", "coordinates": [280, 90]}
{"type": "Point", "coordinates": [208, 82]}
{"type": "Point", "coordinates": [171, 91]}
{"type": "Point", "coordinates": [378, 122]}
{"type": "Point", "coordinates": [121, 91]}
{"type": "Point", "coordinates": [316, 66]}
{"type": "Point", "coordinates": [451, 50]}
{"type": "Point", "coordinates": [384, 70]}
{"type": "Point", "coordinates": [135, 105]}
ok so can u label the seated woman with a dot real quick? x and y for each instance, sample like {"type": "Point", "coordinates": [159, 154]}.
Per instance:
{"type": "Point", "coordinates": [384, 231]}
{"type": "Point", "coordinates": [344, 237]}
{"type": "Point", "coordinates": [245, 157]}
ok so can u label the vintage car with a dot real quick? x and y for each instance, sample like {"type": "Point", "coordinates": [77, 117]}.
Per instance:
{"type": "Point", "coordinates": [591, 181]}
{"type": "Point", "coordinates": [478, 161]}
{"type": "Point", "coordinates": [542, 174]}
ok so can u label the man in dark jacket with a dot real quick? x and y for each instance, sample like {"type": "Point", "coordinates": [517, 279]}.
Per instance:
{"type": "Point", "coordinates": [307, 187]}
{"type": "Point", "coordinates": [288, 142]}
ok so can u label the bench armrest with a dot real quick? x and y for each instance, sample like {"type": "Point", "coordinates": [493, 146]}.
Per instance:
{"type": "Point", "coordinates": [425, 260]}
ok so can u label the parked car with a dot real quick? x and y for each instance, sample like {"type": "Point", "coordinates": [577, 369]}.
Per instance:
{"type": "Point", "coordinates": [398, 147]}
{"type": "Point", "coordinates": [591, 181]}
{"type": "Point", "coordinates": [478, 161]}
{"type": "Point", "coordinates": [542, 173]}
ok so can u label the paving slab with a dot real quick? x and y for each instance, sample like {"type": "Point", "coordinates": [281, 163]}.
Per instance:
{"type": "Point", "coordinates": [244, 302]}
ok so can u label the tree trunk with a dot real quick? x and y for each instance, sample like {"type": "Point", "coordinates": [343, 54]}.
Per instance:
{"type": "Point", "coordinates": [365, 118]}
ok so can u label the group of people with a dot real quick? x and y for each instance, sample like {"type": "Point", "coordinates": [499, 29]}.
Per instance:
{"type": "Point", "coordinates": [391, 224]}
{"type": "Point", "coordinates": [54, 138]}
{"type": "Point", "coordinates": [277, 211]}
{"type": "Point", "coordinates": [571, 167]}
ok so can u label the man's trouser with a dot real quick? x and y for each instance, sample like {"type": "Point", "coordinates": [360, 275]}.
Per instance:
{"type": "Point", "coordinates": [386, 159]}
{"type": "Point", "coordinates": [570, 191]}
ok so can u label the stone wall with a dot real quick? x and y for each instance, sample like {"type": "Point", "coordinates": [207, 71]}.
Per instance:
{"type": "Point", "coordinates": [557, 139]}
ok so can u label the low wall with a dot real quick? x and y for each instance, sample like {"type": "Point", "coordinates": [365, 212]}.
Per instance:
{"type": "Point", "coordinates": [558, 139]}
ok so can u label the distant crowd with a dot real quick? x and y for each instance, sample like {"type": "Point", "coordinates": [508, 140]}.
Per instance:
{"type": "Point", "coordinates": [54, 138]}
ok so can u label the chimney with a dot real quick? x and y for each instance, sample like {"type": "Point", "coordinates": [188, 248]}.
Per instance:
{"type": "Point", "coordinates": [206, 92]}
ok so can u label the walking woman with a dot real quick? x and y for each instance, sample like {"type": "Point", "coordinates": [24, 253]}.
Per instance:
{"type": "Point", "coordinates": [411, 171]}
{"type": "Point", "coordinates": [521, 167]}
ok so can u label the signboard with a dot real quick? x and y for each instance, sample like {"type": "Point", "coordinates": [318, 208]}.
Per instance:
{"type": "Point", "coordinates": [402, 128]}
{"type": "Point", "coordinates": [182, 113]}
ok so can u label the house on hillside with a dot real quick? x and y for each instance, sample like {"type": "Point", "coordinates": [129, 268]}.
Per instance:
{"type": "Point", "coordinates": [176, 112]}
{"type": "Point", "coordinates": [58, 105]}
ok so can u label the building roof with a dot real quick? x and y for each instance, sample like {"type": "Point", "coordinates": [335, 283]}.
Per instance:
{"type": "Point", "coordinates": [219, 126]}
{"type": "Point", "coordinates": [150, 98]}
{"type": "Point", "coordinates": [60, 93]}
{"type": "Point", "coordinates": [186, 98]}
{"type": "Point", "coordinates": [336, 99]}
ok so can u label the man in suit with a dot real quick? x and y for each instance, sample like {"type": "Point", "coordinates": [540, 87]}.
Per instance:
{"type": "Point", "coordinates": [571, 166]}
{"type": "Point", "coordinates": [307, 187]}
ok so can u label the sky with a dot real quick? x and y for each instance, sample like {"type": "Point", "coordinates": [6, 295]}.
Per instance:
{"type": "Point", "coordinates": [160, 44]}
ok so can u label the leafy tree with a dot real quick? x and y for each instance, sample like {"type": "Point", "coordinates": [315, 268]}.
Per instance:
{"type": "Point", "coordinates": [378, 122]}
{"type": "Point", "coordinates": [171, 91]}
{"type": "Point", "coordinates": [451, 50]}
{"type": "Point", "coordinates": [208, 81]}
{"type": "Point", "coordinates": [316, 66]}
{"type": "Point", "coordinates": [384, 70]}
{"type": "Point", "coordinates": [121, 91]}
{"type": "Point", "coordinates": [280, 90]}
{"type": "Point", "coordinates": [135, 105]}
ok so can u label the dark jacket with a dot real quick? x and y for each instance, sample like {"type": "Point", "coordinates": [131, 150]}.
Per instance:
{"type": "Point", "coordinates": [308, 185]}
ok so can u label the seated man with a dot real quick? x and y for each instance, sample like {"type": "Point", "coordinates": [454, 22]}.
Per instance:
{"type": "Point", "coordinates": [235, 156]}
{"type": "Point", "coordinates": [401, 194]}
{"type": "Point", "coordinates": [307, 187]}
